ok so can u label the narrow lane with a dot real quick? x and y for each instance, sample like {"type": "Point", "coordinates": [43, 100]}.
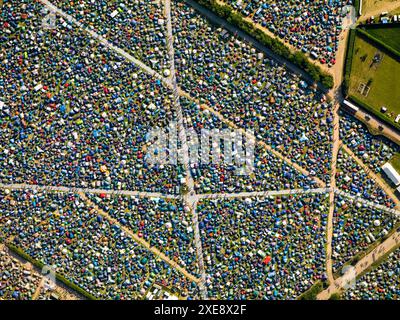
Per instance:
{"type": "Point", "coordinates": [189, 195]}
{"type": "Point", "coordinates": [268, 52]}
{"type": "Point", "coordinates": [87, 190]}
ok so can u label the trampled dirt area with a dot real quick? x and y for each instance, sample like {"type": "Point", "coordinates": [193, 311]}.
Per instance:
{"type": "Point", "coordinates": [375, 7]}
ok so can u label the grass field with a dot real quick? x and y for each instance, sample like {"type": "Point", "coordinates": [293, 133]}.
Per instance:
{"type": "Point", "coordinates": [382, 78]}
{"type": "Point", "coordinates": [391, 36]}
{"type": "Point", "coordinates": [395, 162]}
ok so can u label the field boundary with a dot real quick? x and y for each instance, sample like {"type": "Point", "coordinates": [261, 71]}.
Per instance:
{"type": "Point", "coordinates": [379, 43]}
{"type": "Point", "coordinates": [375, 112]}
{"type": "Point", "coordinates": [348, 61]}
{"type": "Point", "coordinates": [298, 58]}
{"type": "Point", "coordinates": [348, 68]}
{"type": "Point", "coordinates": [38, 264]}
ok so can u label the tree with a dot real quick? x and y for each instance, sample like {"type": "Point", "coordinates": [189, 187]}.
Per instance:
{"type": "Point", "coordinates": [335, 296]}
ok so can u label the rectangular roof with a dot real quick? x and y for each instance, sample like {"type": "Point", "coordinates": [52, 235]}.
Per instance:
{"type": "Point", "coordinates": [391, 173]}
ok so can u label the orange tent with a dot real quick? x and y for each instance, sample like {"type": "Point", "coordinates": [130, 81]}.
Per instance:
{"type": "Point", "coordinates": [267, 259]}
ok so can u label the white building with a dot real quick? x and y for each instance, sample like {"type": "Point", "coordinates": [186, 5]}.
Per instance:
{"type": "Point", "coordinates": [392, 174]}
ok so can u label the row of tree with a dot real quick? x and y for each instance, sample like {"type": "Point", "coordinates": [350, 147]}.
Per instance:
{"type": "Point", "coordinates": [298, 58]}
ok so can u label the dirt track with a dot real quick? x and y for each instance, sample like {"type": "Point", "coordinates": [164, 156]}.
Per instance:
{"type": "Point", "coordinates": [337, 286]}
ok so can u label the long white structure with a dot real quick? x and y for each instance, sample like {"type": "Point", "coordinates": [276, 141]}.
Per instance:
{"type": "Point", "coordinates": [392, 174]}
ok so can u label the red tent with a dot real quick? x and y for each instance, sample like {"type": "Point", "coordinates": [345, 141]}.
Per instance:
{"type": "Point", "coordinates": [267, 259]}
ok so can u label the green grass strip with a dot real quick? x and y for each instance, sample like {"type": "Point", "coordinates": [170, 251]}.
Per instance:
{"type": "Point", "coordinates": [298, 58]}
{"type": "Point", "coordinates": [59, 277]}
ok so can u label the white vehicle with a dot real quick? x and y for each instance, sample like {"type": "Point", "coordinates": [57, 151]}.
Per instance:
{"type": "Point", "coordinates": [351, 106]}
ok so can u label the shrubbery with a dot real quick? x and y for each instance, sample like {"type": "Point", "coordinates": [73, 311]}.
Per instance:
{"type": "Point", "coordinates": [335, 296]}
{"type": "Point", "coordinates": [298, 58]}
{"type": "Point", "coordinates": [348, 61]}
{"type": "Point", "coordinates": [59, 277]}
{"type": "Point", "coordinates": [383, 116]}
{"type": "Point", "coordinates": [311, 294]}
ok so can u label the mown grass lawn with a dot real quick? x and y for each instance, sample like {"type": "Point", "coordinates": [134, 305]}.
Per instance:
{"type": "Point", "coordinates": [395, 162]}
{"type": "Point", "coordinates": [383, 78]}
{"type": "Point", "coordinates": [391, 36]}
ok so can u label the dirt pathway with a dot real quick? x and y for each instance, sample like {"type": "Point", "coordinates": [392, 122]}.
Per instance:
{"type": "Point", "coordinates": [375, 123]}
{"type": "Point", "coordinates": [140, 241]}
{"type": "Point", "coordinates": [251, 137]}
{"type": "Point", "coordinates": [379, 180]}
{"type": "Point", "coordinates": [335, 152]}
{"type": "Point", "coordinates": [38, 289]}
{"type": "Point", "coordinates": [339, 284]}
{"type": "Point", "coordinates": [340, 59]}
{"type": "Point", "coordinates": [189, 197]}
